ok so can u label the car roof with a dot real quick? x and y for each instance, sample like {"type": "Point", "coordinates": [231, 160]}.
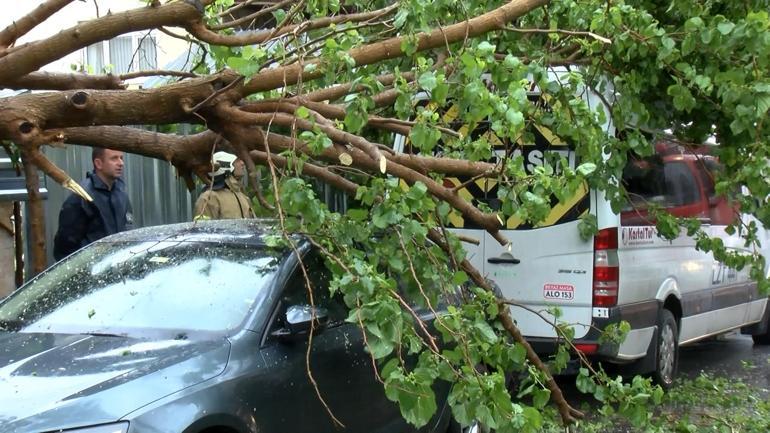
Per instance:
{"type": "Point", "coordinates": [251, 232]}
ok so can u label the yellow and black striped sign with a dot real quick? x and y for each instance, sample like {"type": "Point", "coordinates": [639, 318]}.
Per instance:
{"type": "Point", "coordinates": [484, 191]}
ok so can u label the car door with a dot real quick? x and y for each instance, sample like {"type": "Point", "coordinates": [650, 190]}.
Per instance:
{"type": "Point", "coordinates": [339, 364]}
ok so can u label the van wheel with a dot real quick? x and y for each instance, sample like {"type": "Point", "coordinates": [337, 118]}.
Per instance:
{"type": "Point", "coordinates": [667, 350]}
{"type": "Point", "coordinates": [763, 339]}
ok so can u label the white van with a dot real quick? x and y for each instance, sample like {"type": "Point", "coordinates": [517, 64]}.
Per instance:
{"type": "Point", "coordinates": [670, 293]}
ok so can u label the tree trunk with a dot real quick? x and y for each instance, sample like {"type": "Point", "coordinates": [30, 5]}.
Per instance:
{"type": "Point", "coordinates": [18, 241]}
{"type": "Point", "coordinates": [37, 251]}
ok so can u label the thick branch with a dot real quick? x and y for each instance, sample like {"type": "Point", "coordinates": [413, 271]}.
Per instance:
{"type": "Point", "coordinates": [37, 159]}
{"type": "Point", "coordinates": [371, 162]}
{"type": "Point", "coordinates": [422, 164]}
{"type": "Point", "coordinates": [18, 240]}
{"type": "Point", "coordinates": [335, 92]}
{"type": "Point", "coordinates": [183, 151]}
{"type": "Point", "coordinates": [309, 169]}
{"type": "Point", "coordinates": [59, 81]}
{"type": "Point", "coordinates": [23, 116]}
{"type": "Point", "coordinates": [227, 111]}
{"type": "Point", "coordinates": [157, 73]}
{"type": "Point", "coordinates": [391, 48]}
{"type": "Point", "coordinates": [19, 28]}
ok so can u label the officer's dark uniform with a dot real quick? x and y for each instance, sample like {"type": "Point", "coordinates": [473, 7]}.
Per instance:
{"type": "Point", "coordinates": [81, 222]}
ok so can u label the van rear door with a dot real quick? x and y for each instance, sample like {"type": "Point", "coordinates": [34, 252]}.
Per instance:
{"type": "Point", "coordinates": [546, 267]}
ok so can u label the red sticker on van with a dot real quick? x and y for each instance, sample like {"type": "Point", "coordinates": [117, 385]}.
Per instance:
{"type": "Point", "coordinates": [564, 292]}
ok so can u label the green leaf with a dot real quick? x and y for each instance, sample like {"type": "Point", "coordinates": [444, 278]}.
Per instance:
{"type": "Point", "coordinates": [725, 27]}
{"type": "Point", "coordinates": [486, 331]}
{"type": "Point", "coordinates": [588, 226]}
{"type": "Point", "coordinates": [540, 397]}
{"type": "Point", "coordinates": [424, 137]}
{"type": "Point", "coordinates": [401, 17]}
{"type": "Point", "coordinates": [693, 24]}
{"type": "Point", "coordinates": [357, 214]}
{"type": "Point", "coordinates": [763, 104]}
{"type": "Point", "coordinates": [440, 93]}
{"type": "Point", "coordinates": [485, 48]}
{"type": "Point", "coordinates": [459, 278]}
{"type": "Point", "coordinates": [356, 116]}
{"type": "Point", "coordinates": [302, 112]}
{"type": "Point", "coordinates": [427, 81]}
{"type": "Point", "coordinates": [243, 66]}
{"type": "Point", "coordinates": [586, 168]}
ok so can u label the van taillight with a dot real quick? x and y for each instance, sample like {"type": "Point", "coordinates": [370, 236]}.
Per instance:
{"type": "Point", "coordinates": [606, 270]}
{"type": "Point", "coordinates": [606, 239]}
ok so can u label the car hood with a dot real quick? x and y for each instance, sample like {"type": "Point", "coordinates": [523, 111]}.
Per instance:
{"type": "Point", "coordinates": [57, 381]}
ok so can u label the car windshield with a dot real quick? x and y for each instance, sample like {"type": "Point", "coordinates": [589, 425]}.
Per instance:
{"type": "Point", "coordinates": [125, 287]}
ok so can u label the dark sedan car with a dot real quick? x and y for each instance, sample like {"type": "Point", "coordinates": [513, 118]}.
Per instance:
{"type": "Point", "coordinates": [188, 328]}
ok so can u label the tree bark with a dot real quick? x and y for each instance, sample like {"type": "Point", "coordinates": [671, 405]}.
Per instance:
{"type": "Point", "coordinates": [36, 217]}
{"type": "Point", "coordinates": [59, 81]}
{"type": "Point", "coordinates": [25, 117]}
{"type": "Point", "coordinates": [19, 28]}
{"type": "Point", "coordinates": [390, 49]}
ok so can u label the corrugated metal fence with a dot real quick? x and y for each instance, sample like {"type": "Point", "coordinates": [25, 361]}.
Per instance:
{"type": "Point", "coordinates": [156, 194]}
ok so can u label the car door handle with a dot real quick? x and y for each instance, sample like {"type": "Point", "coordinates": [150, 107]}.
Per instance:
{"type": "Point", "coordinates": [505, 258]}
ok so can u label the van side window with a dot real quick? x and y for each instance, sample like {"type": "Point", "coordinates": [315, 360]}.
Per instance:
{"type": "Point", "coordinates": [721, 210]}
{"type": "Point", "coordinates": [681, 186]}
{"type": "Point", "coordinates": [669, 184]}
{"type": "Point", "coordinates": [645, 184]}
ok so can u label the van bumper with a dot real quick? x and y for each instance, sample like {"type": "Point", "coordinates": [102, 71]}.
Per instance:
{"type": "Point", "coordinates": [643, 318]}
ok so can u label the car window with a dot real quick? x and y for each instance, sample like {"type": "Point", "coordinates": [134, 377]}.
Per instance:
{"type": "Point", "coordinates": [126, 287]}
{"type": "Point", "coordinates": [670, 185]}
{"type": "Point", "coordinates": [721, 210]}
{"type": "Point", "coordinates": [681, 187]}
{"type": "Point", "coordinates": [296, 292]}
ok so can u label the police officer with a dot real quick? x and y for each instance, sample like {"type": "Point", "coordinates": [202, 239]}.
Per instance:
{"type": "Point", "coordinates": [82, 222]}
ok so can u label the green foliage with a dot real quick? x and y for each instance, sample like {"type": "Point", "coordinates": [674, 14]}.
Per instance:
{"type": "Point", "coordinates": [689, 71]}
{"type": "Point", "coordinates": [706, 403]}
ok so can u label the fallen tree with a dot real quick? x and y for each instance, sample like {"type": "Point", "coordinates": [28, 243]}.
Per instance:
{"type": "Point", "coordinates": [318, 90]}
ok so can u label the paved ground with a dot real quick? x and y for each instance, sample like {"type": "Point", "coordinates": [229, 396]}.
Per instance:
{"type": "Point", "coordinates": [733, 355]}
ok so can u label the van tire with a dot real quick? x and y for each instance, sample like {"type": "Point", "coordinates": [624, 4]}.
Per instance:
{"type": "Point", "coordinates": [763, 339]}
{"type": "Point", "coordinates": [666, 350]}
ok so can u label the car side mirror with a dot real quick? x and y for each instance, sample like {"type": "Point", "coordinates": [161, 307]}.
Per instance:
{"type": "Point", "coordinates": [299, 321]}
